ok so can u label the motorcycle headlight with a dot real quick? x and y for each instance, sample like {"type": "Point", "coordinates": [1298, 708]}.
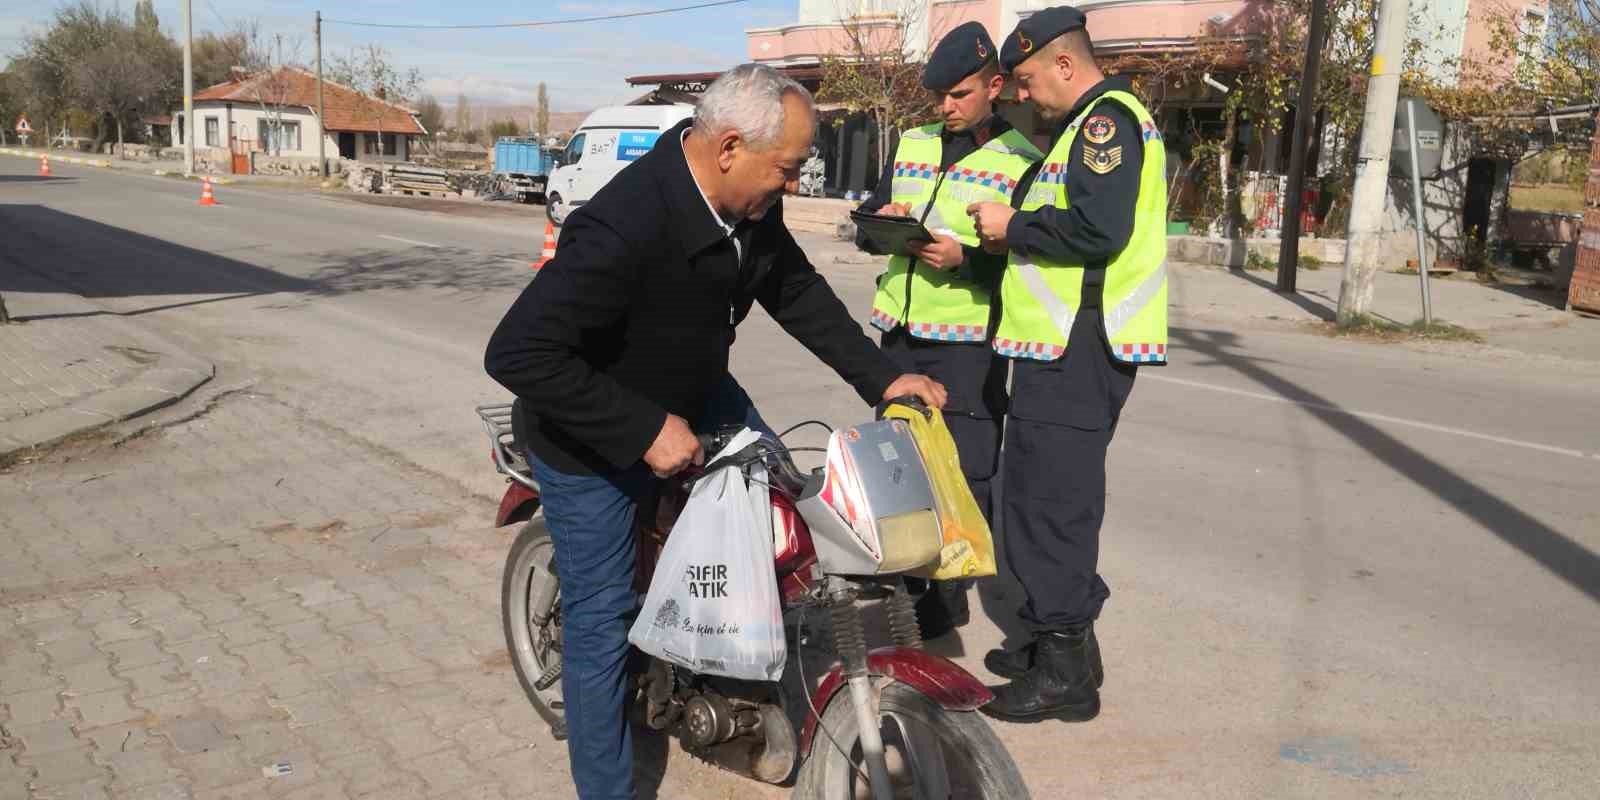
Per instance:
{"type": "Point", "coordinates": [872, 511]}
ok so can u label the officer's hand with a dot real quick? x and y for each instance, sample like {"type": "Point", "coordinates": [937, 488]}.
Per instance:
{"type": "Point", "coordinates": [674, 449]}
{"type": "Point", "coordinates": [991, 220]}
{"type": "Point", "coordinates": [942, 253]}
{"type": "Point", "coordinates": [921, 387]}
{"type": "Point", "coordinates": [895, 210]}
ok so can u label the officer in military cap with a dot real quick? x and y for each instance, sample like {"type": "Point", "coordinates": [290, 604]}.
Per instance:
{"type": "Point", "coordinates": [933, 305]}
{"type": "Point", "coordinates": [1084, 305]}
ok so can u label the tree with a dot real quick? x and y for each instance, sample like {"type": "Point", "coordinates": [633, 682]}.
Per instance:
{"type": "Point", "coordinates": [216, 54]}
{"type": "Point", "coordinates": [877, 74]}
{"type": "Point", "coordinates": [431, 115]}
{"type": "Point", "coordinates": [371, 72]}
{"type": "Point", "coordinates": [463, 115]}
{"type": "Point", "coordinates": [503, 127]}
{"type": "Point", "coordinates": [542, 124]}
{"type": "Point", "coordinates": [145, 20]}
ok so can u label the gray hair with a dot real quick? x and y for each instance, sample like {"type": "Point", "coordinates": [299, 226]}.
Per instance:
{"type": "Point", "coordinates": [748, 99]}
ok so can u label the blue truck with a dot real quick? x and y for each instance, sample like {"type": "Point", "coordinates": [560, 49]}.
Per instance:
{"type": "Point", "coordinates": [525, 165]}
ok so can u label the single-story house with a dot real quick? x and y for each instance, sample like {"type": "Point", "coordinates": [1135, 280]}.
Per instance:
{"type": "Point", "coordinates": [243, 116]}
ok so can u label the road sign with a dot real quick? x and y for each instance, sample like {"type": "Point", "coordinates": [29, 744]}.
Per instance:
{"type": "Point", "coordinates": [1430, 140]}
{"type": "Point", "coordinates": [23, 126]}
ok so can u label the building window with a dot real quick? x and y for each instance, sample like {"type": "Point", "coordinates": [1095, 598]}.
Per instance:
{"type": "Point", "coordinates": [278, 138]}
{"type": "Point", "coordinates": [182, 123]}
{"type": "Point", "coordinates": [371, 144]}
{"type": "Point", "coordinates": [213, 132]}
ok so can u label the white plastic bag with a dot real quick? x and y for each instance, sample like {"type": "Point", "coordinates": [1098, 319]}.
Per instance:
{"type": "Point", "coordinates": [713, 604]}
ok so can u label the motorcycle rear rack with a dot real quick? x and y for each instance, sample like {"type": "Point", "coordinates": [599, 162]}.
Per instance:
{"type": "Point", "coordinates": [507, 461]}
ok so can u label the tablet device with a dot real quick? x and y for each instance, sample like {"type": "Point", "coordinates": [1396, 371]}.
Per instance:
{"type": "Point", "coordinates": [891, 234]}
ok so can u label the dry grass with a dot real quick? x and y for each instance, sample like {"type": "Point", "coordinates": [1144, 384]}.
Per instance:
{"type": "Point", "coordinates": [1370, 328]}
{"type": "Point", "coordinates": [1555, 197]}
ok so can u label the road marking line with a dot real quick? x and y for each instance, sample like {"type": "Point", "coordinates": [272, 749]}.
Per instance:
{"type": "Point", "coordinates": [407, 241]}
{"type": "Point", "coordinates": [1368, 415]}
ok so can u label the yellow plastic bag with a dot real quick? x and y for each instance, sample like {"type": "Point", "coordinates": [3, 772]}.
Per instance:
{"type": "Point", "coordinates": [968, 550]}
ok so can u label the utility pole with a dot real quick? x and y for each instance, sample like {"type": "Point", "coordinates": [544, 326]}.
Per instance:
{"type": "Point", "coordinates": [1372, 165]}
{"type": "Point", "coordinates": [1304, 120]}
{"type": "Point", "coordinates": [188, 88]}
{"type": "Point", "coordinates": [322, 117]}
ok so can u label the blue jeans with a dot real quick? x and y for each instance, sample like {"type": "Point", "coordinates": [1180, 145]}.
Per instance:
{"type": "Point", "coordinates": [591, 519]}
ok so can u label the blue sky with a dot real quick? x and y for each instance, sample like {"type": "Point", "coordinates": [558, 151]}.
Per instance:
{"type": "Point", "coordinates": [583, 65]}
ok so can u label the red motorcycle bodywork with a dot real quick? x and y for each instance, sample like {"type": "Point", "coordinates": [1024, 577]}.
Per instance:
{"type": "Point", "coordinates": [937, 678]}
{"type": "Point", "coordinates": [517, 505]}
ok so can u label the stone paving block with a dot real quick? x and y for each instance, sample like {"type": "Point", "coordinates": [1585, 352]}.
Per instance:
{"type": "Point", "coordinates": [83, 790]}
{"type": "Point", "coordinates": [53, 629]}
{"type": "Point", "coordinates": [62, 768]}
{"type": "Point", "coordinates": [283, 612]}
{"type": "Point", "coordinates": [151, 600]}
{"type": "Point", "coordinates": [182, 626]}
{"type": "Point", "coordinates": [125, 737]}
{"type": "Point", "coordinates": [135, 653]}
{"type": "Point", "coordinates": [264, 741]}
{"type": "Point", "coordinates": [365, 771]}
{"type": "Point", "coordinates": [103, 708]}
{"type": "Point", "coordinates": [185, 702]}
{"type": "Point", "coordinates": [99, 607]}
{"type": "Point", "coordinates": [355, 685]}
{"type": "Point", "coordinates": [319, 592]}
{"type": "Point", "coordinates": [26, 672]}
{"type": "Point", "coordinates": [139, 768]}
{"type": "Point", "coordinates": [170, 790]}
{"type": "Point", "coordinates": [75, 649]}
{"type": "Point", "coordinates": [218, 611]}
{"type": "Point", "coordinates": [121, 629]}
{"type": "Point", "coordinates": [392, 657]}
{"type": "Point", "coordinates": [443, 771]}
{"type": "Point", "coordinates": [336, 738]}
{"type": "Point", "coordinates": [331, 656]}
{"type": "Point", "coordinates": [427, 673]}
{"type": "Point", "coordinates": [159, 678]}
{"type": "Point", "coordinates": [345, 612]}
{"type": "Point", "coordinates": [199, 734]}
{"type": "Point", "coordinates": [413, 738]}
{"type": "Point", "coordinates": [199, 594]}
{"type": "Point", "coordinates": [262, 592]}
{"type": "Point", "coordinates": [46, 737]}
{"type": "Point", "coordinates": [215, 769]}
{"type": "Point", "coordinates": [367, 634]}
{"type": "Point", "coordinates": [482, 791]}
{"type": "Point", "coordinates": [481, 739]}
{"type": "Point", "coordinates": [13, 779]}
{"type": "Point", "coordinates": [293, 681]}
{"type": "Point", "coordinates": [307, 633]}
{"type": "Point", "coordinates": [253, 789]}
{"type": "Point", "coordinates": [310, 709]}
{"type": "Point", "coordinates": [91, 677]}
{"type": "Point", "coordinates": [38, 610]}
{"type": "Point", "coordinates": [32, 707]}
{"type": "Point", "coordinates": [248, 630]}
{"type": "Point", "coordinates": [264, 658]}
{"type": "Point", "coordinates": [327, 790]}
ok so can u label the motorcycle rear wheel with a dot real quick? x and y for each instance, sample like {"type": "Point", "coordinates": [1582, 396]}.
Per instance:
{"type": "Point", "coordinates": [920, 737]}
{"type": "Point", "coordinates": [535, 649]}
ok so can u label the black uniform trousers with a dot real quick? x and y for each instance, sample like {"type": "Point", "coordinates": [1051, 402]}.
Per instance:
{"type": "Point", "coordinates": [976, 380]}
{"type": "Point", "coordinates": [1062, 417]}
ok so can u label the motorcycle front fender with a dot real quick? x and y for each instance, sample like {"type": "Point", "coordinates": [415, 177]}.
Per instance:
{"type": "Point", "coordinates": [517, 505]}
{"type": "Point", "coordinates": [937, 678]}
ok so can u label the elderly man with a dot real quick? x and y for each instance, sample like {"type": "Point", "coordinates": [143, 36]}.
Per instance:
{"type": "Point", "coordinates": [1084, 305]}
{"type": "Point", "coordinates": [619, 351]}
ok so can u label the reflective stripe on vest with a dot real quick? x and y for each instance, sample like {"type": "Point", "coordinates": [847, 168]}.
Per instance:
{"type": "Point", "coordinates": [1040, 298]}
{"type": "Point", "coordinates": [948, 307]}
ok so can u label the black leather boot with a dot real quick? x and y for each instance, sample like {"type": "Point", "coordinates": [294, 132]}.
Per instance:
{"type": "Point", "coordinates": [1011, 664]}
{"type": "Point", "coordinates": [1059, 686]}
{"type": "Point", "coordinates": [942, 608]}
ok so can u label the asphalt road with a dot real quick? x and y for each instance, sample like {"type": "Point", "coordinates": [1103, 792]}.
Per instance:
{"type": "Point", "coordinates": [1338, 569]}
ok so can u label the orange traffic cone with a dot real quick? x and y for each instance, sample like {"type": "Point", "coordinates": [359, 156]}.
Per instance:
{"type": "Point", "coordinates": [549, 250]}
{"type": "Point", "coordinates": [206, 197]}
{"type": "Point", "coordinates": [44, 166]}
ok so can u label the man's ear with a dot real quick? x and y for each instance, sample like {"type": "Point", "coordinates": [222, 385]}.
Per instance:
{"type": "Point", "coordinates": [1065, 64]}
{"type": "Point", "coordinates": [727, 144]}
{"type": "Point", "coordinates": [997, 84]}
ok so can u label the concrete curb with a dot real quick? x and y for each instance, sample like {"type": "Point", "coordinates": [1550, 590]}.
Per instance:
{"type": "Point", "coordinates": [171, 378]}
{"type": "Point", "coordinates": [106, 163]}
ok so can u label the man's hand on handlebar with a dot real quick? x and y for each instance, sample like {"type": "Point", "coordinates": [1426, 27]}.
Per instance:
{"type": "Point", "coordinates": [921, 387]}
{"type": "Point", "coordinates": [675, 448]}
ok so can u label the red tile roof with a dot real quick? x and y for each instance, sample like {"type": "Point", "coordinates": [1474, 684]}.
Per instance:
{"type": "Point", "coordinates": [346, 108]}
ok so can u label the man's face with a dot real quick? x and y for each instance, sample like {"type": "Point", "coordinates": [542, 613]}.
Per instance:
{"type": "Point", "coordinates": [969, 102]}
{"type": "Point", "coordinates": [1044, 80]}
{"type": "Point", "coordinates": [755, 179]}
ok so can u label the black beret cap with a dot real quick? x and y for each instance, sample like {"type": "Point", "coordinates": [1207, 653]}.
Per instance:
{"type": "Point", "coordinates": [960, 53]}
{"type": "Point", "coordinates": [1033, 33]}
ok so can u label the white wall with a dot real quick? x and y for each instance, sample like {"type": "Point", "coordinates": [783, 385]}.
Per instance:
{"type": "Point", "coordinates": [244, 118]}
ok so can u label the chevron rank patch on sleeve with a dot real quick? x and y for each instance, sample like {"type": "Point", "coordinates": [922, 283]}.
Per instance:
{"type": "Point", "coordinates": [1101, 161]}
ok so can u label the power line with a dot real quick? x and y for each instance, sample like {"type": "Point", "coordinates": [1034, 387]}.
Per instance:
{"type": "Point", "coordinates": [542, 24]}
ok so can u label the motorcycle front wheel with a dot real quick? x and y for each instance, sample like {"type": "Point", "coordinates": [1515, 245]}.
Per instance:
{"type": "Point", "coordinates": [932, 753]}
{"type": "Point", "coordinates": [530, 604]}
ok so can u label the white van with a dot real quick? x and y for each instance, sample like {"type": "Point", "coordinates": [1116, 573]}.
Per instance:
{"type": "Point", "coordinates": [609, 139]}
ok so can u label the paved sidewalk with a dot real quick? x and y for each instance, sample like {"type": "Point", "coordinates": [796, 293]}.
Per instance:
{"type": "Point", "coordinates": [67, 366]}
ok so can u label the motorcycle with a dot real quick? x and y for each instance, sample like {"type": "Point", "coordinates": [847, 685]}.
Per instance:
{"type": "Point", "coordinates": [894, 721]}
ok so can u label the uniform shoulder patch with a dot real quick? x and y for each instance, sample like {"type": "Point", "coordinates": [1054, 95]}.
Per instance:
{"type": "Point", "coordinates": [1101, 162]}
{"type": "Point", "coordinates": [1099, 129]}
